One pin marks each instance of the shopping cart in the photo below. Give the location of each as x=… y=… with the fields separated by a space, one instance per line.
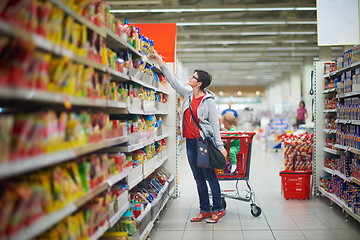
x=242 y=172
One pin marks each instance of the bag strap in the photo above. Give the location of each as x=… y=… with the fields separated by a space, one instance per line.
x=194 y=118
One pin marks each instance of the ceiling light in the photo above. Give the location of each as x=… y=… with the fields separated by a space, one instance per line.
x=180 y=10
x=239 y=93
x=221 y=93
x=244 y=23
x=257 y=93
x=226 y=42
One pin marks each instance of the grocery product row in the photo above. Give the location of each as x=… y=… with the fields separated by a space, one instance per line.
x=340 y=162
x=34 y=202
x=34 y=140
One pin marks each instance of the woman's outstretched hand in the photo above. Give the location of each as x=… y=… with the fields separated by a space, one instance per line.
x=157 y=58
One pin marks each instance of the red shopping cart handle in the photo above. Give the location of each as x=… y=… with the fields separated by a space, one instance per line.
x=231 y=134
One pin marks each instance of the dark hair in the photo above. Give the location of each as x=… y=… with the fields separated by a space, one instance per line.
x=302 y=102
x=203 y=77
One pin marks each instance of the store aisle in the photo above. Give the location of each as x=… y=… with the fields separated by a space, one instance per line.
x=280 y=219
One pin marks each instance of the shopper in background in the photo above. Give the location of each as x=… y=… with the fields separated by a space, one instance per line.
x=204 y=108
x=232 y=111
x=301 y=114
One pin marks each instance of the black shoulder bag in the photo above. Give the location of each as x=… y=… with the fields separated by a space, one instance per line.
x=208 y=155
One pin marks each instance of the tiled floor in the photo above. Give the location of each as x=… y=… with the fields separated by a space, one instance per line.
x=280 y=219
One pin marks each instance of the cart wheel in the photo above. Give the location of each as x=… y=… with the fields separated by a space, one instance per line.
x=255 y=211
x=223 y=203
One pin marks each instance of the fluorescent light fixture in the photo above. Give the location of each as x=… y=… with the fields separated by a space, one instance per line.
x=245 y=33
x=291 y=48
x=295 y=41
x=181 y=10
x=244 y=23
x=225 y=42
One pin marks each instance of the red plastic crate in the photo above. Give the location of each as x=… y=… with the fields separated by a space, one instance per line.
x=296 y=185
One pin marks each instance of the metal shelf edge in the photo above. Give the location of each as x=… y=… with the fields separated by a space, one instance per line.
x=119 y=214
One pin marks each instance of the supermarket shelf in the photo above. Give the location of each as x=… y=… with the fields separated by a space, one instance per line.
x=330 y=131
x=136 y=181
x=340 y=71
x=48 y=46
x=119 y=214
x=47 y=221
x=158 y=138
x=100 y=231
x=330 y=111
x=351 y=213
x=332 y=197
x=23 y=94
x=116 y=104
x=346 y=148
x=113 y=41
x=118 y=76
x=332 y=151
x=338 y=173
x=43 y=223
x=133 y=51
x=161 y=162
x=133 y=147
x=355 y=180
x=340 y=203
x=331 y=90
x=116 y=178
x=90 y=195
x=45 y=160
x=147 y=85
x=348 y=121
x=78 y=17
x=328 y=170
x=350 y=94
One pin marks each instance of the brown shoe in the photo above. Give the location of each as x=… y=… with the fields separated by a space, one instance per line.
x=201 y=216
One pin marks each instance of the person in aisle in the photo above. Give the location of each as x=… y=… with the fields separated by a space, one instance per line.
x=202 y=103
x=301 y=114
x=234 y=148
x=232 y=111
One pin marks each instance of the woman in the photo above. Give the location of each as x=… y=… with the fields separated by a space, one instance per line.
x=203 y=107
x=301 y=114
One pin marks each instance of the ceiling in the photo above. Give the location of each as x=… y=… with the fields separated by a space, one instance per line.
x=240 y=42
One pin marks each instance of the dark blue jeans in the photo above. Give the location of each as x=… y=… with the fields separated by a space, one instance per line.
x=201 y=175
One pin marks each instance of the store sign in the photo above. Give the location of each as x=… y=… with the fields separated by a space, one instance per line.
x=164 y=37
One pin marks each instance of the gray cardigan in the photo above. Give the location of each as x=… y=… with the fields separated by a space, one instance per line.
x=207 y=112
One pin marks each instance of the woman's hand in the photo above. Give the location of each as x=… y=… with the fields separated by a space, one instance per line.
x=157 y=58
x=224 y=152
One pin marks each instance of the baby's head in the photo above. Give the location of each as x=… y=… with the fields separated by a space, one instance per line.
x=229 y=120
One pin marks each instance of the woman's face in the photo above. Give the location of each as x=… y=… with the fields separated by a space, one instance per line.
x=193 y=80
x=302 y=105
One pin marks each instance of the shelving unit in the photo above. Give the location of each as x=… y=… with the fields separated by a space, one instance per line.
x=321 y=132
x=16 y=96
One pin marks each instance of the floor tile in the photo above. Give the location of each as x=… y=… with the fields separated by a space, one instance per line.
x=164 y=235
x=287 y=235
x=228 y=235
x=319 y=235
x=198 y=235
x=258 y=235
x=347 y=234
